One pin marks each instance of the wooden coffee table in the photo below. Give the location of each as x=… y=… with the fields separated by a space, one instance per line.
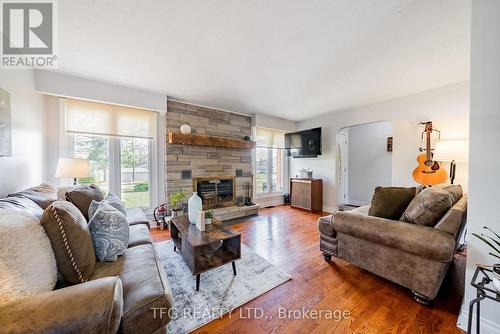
x=202 y=251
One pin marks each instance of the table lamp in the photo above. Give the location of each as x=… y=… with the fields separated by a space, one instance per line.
x=453 y=151
x=72 y=168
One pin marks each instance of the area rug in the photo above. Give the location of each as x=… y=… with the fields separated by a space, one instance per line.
x=220 y=291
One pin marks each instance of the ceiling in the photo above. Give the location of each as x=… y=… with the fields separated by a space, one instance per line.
x=290 y=59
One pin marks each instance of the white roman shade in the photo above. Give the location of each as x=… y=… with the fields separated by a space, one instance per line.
x=108 y=120
x=268 y=138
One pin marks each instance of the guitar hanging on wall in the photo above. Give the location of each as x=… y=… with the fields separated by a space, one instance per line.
x=428 y=171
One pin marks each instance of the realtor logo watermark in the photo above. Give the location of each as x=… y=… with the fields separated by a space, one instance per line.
x=28 y=34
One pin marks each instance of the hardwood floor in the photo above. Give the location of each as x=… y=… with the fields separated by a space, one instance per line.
x=288 y=238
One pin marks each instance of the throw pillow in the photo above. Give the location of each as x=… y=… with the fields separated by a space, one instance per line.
x=110 y=232
x=71 y=241
x=391 y=202
x=43 y=195
x=110 y=199
x=27 y=261
x=81 y=196
x=430 y=205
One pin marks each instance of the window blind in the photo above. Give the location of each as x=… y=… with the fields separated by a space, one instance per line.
x=267 y=138
x=108 y=120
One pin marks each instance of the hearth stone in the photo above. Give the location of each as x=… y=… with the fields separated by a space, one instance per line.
x=234 y=212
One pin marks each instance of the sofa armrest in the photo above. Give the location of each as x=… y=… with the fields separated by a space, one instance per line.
x=92 y=307
x=426 y=242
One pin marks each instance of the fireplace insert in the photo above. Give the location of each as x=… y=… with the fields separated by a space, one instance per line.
x=215 y=192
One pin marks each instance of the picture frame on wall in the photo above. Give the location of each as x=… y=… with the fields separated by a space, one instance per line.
x=5 y=124
x=389 y=144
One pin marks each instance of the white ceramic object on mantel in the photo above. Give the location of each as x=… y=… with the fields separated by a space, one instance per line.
x=194 y=205
x=185 y=129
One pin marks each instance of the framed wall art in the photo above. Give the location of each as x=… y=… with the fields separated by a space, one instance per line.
x=5 y=125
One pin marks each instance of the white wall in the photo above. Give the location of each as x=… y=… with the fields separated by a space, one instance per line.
x=65 y=85
x=484 y=150
x=264 y=121
x=447 y=107
x=370 y=164
x=25 y=167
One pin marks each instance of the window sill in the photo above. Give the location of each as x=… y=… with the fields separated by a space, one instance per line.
x=266 y=195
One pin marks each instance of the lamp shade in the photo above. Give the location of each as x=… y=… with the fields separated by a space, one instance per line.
x=74 y=168
x=449 y=150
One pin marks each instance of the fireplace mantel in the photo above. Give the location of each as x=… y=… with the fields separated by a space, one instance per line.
x=210 y=141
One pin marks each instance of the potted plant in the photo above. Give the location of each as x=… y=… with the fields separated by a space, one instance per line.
x=493 y=241
x=209 y=215
x=175 y=202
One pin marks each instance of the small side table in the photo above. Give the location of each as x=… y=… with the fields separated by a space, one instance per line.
x=480 y=281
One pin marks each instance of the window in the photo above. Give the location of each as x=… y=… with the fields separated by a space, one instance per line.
x=269 y=161
x=118 y=143
x=134 y=164
x=94 y=148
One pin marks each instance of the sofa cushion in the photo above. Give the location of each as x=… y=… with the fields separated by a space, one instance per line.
x=144 y=287
x=81 y=196
x=430 y=205
x=110 y=199
x=138 y=235
x=136 y=216
x=70 y=238
x=109 y=230
x=27 y=261
x=43 y=195
x=390 y=202
x=22 y=204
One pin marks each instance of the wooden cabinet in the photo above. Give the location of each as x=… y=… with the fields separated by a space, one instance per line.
x=306 y=194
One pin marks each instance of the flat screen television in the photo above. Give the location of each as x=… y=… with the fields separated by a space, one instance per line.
x=303 y=144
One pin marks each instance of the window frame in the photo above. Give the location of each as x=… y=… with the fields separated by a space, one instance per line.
x=66 y=149
x=270 y=169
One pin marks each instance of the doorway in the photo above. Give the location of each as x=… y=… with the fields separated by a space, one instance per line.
x=365 y=161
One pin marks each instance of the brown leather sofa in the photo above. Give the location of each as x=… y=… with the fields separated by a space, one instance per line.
x=122 y=296
x=414 y=256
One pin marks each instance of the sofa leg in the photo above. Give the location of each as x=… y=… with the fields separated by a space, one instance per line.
x=421 y=298
x=327 y=256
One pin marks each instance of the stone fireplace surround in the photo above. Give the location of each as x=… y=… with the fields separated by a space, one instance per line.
x=185 y=163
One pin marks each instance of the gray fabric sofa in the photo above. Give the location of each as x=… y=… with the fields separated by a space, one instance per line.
x=414 y=256
x=120 y=297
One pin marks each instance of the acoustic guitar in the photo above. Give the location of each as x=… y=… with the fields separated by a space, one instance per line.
x=428 y=171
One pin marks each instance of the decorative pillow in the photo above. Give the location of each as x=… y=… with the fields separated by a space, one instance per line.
x=391 y=202
x=70 y=238
x=431 y=204
x=455 y=191
x=110 y=232
x=81 y=196
x=110 y=199
x=27 y=261
x=43 y=195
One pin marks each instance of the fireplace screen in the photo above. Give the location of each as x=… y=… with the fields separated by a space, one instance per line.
x=215 y=192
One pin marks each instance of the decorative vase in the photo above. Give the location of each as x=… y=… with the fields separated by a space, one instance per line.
x=496 y=277
x=208 y=221
x=185 y=129
x=194 y=205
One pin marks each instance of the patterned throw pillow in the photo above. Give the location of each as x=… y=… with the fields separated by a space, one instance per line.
x=110 y=232
x=110 y=199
